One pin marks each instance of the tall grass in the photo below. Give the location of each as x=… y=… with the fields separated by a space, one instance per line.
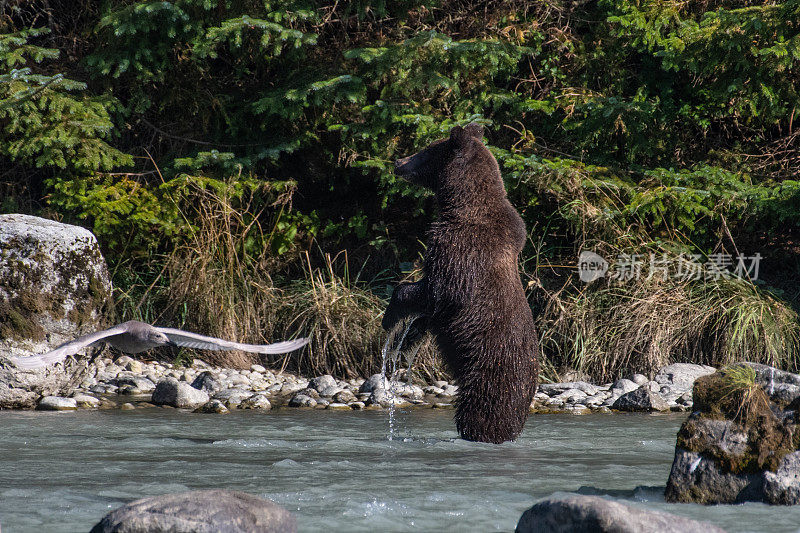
x=614 y=330
x=343 y=319
x=220 y=282
x=217 y=282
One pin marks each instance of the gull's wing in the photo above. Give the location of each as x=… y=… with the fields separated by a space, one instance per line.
x=66 y=349
x=194 y=340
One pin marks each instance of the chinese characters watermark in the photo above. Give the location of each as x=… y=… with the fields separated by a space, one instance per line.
x=685 y=267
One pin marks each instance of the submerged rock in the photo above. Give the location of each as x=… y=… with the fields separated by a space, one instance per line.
x=741 y=442
x=54 y=284
x=594 y=514
x=203 y=511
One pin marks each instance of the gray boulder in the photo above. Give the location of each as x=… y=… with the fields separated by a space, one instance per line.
x=642 y=399
x=344 y=396
x=233 y=397
x=386 y=398
x=740 y=442
x=678 y=378
x=54 y=286
x=783 y=485
x=575 y=513
x=207 y=382
x=374 y=382
x=137 y=384
x=782 y=387
x=57 y=403
x=623 y=386
x=302 y=400
x=291 y=388
x=256 y=401
x=85 y=401
x=170 y=391
x=326 y=385
x=205 y=511
x=557 y=388
x=698 y=479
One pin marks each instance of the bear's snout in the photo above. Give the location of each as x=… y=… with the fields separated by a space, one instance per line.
x=402 y=168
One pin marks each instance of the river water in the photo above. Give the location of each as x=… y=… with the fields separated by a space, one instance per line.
x=338 y=471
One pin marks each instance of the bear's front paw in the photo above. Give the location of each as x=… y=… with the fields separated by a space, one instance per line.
x=390 y=320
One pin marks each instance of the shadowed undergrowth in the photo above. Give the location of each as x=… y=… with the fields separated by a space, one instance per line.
x=216 y=285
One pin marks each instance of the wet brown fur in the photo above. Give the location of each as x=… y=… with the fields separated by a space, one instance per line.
x=471 y=297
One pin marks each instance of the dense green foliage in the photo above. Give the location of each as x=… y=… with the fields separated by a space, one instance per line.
x=619 y=125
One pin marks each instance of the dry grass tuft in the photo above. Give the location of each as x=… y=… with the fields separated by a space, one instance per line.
x=219 y=283
x=343 y=320
x=217 y=286
x=610 y=331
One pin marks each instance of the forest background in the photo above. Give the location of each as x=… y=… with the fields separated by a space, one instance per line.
x=234 y=158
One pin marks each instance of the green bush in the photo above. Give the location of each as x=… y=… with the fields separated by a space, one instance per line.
x=619 y=126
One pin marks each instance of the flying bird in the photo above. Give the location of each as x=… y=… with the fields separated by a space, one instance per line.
x=135 y=337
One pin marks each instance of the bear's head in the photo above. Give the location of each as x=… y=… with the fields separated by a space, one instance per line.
x=427 y=166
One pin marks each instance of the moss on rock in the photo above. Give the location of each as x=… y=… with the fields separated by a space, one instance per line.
x=16 y=325
x=754 y=437
x=49 y=272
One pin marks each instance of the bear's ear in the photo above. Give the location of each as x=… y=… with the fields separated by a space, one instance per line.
x=474 y=130
x=458 y=133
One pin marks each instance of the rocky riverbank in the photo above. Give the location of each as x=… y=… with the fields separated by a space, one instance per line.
x=128 y=383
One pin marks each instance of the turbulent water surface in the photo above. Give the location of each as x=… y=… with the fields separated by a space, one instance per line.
x=338 y=471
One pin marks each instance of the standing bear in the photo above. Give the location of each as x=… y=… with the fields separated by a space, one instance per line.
x=471 y=297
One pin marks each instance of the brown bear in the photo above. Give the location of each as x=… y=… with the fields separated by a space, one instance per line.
x=471 y=297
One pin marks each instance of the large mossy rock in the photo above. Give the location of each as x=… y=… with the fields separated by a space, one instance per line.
x=591 y=514
x=202 y=511
x=741 y=442
x=54 y=286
